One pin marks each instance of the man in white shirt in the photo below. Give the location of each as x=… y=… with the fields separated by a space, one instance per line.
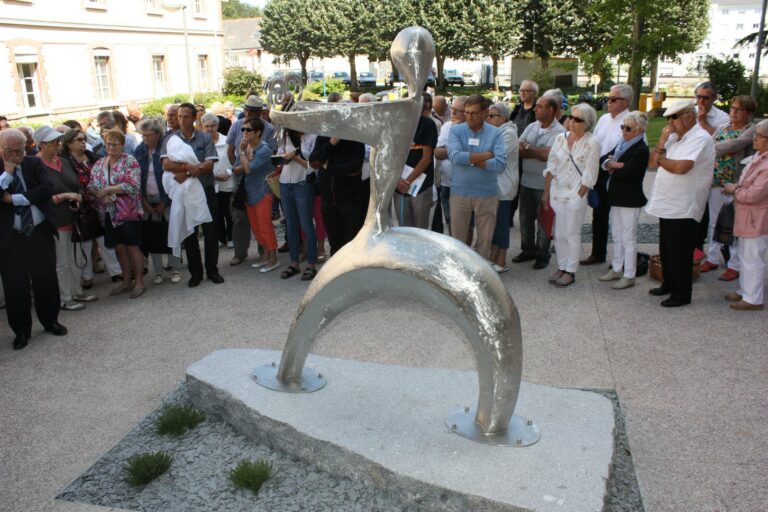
x=708 y=115
x=685 y=158
x=441 y=155
x=608 y=132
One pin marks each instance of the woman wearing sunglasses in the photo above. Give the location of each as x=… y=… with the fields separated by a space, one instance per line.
x=571 y=171
x=626 y=166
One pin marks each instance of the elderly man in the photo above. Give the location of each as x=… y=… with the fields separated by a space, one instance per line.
x=27 y=249
x=535 y=143
x=207 y=156
x=608 y=133
x=708 y=115
x=685 y=158
x=241 y=228
x=441 y=154
x=441 y=109
x=522 y=115
x=478 y=155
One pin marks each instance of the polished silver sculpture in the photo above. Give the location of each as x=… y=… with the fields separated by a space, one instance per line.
x=402 y=262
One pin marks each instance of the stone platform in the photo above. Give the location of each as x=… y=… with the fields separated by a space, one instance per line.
x=384 y=425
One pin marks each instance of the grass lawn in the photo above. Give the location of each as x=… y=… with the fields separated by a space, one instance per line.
x=653 y=132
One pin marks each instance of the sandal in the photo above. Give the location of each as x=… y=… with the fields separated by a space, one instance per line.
x=566 y=279
x=289 y=272
x=120 y=289
x=309 y=274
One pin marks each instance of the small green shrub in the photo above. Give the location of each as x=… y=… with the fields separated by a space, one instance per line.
x=251 y=474
x=175 y=420
x=142 y=468
x=331 y=85
x=239 y=81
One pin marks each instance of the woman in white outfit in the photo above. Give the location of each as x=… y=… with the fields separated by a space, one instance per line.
x=571 y=171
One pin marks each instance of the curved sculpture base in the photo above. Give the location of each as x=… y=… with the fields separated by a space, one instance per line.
x=521 y=432
x=266 y=376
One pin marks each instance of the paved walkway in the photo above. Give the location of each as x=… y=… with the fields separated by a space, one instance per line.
x=693 y=381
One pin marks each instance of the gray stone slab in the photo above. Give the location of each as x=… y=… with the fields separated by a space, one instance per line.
x=384 y=425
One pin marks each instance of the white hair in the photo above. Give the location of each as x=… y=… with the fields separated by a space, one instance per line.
x=533 y=85
x=502 y=109
x=639 y=118
x=626 y=92
x=588 y=113
x=12 y=134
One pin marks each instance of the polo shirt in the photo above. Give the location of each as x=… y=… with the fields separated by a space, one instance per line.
x=204 y=149
x=684 y=196
x=469 y=180
x=608 y=131
x=533 y=168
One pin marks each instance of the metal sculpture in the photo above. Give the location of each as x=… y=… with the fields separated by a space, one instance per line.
x=403 y=262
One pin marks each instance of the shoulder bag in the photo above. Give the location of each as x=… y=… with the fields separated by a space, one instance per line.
x=593 y=199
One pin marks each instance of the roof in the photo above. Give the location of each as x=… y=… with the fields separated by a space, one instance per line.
x=242 y=34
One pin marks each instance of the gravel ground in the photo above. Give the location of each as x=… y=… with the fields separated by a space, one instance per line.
x=646 y=234
x=198 y=478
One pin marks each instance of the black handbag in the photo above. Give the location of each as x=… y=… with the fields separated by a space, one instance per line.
x=154 y=236
x=724 y=226
x=87 y=225
x=238 y=198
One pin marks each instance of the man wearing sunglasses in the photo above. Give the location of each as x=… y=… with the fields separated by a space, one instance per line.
x=608 y=133
x=685 y=158
x=708 y=116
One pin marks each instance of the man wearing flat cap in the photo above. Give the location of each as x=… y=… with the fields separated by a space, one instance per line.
x=685 y=158
x=241 y=228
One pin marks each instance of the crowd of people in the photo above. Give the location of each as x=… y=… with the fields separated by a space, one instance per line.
x=128 y=189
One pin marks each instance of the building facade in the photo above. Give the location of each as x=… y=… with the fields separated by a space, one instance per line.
x=64 y=58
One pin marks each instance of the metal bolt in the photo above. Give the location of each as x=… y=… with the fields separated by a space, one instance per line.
x=519 y=441
x=466 y=409
x=453 y=427
x=273 y=364
x=530 y=422
x=319 y=375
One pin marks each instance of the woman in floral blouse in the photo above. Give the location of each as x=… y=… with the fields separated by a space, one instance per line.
x=116 y=184
x=732 y=144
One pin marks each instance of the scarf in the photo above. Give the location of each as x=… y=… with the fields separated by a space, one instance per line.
x=624 y=145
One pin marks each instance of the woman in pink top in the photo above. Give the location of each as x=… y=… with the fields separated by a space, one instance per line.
x=751 y=225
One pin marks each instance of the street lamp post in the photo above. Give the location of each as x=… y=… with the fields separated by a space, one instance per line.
x=175 y=5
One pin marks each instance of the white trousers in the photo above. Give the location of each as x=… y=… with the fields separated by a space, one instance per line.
x=716 y=201
x=624 y=232
x=107 y=255
x=66 y=271
x=569 y=216
x=752 y=275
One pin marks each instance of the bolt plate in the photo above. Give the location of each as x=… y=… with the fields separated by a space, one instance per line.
x=266 y=376
x=519 y=429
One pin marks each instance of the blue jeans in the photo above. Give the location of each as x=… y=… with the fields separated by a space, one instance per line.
x=298 y=200
x=501 y=232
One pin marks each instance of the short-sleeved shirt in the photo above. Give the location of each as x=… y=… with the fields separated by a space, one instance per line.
x=537 y=136
x=426 y=135
x=684 y=196
x=445 y=165
x=204 y=149
x=608 y=131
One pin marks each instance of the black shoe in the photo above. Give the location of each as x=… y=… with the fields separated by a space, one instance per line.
x=216 y=278
x=592 y=260
x=194 y=281
x=283 y=248
x=118 y=277
x=57 y=329
x=674 y=303
x=522 y=257
x=21 y=341
x=658 y=292
x=540 y=264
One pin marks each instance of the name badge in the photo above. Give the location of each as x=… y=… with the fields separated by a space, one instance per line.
x=474 y=142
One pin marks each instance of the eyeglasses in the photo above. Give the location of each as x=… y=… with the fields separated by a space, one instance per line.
x=210 y=126
x=527 y=90
x=616 y=98
x=628 y=128
x=459 y=111
x=247 y=129
x=702 y=97
x=739 y=109
x=760 y=135
x=113 y=144
x=494 y=115
x=576 y=119
x=471 y=113
x=17 y=152
x=677 y=116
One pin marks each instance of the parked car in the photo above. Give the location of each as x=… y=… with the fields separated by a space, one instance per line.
x=366 y=78
x=315 y=76
x=401 y=78
x=343 y=76
x=469 y=78
x=452 y=77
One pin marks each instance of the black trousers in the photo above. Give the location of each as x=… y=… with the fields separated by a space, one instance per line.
x=342 y=222
x=211 y=242
x=677 y=240
x=600 y=216
x=34 y=258
x=223 y=218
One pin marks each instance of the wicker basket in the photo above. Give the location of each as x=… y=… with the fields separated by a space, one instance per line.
x=655 y=268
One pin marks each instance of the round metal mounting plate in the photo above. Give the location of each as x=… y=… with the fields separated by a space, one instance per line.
x=266 y=376
x=521 y=431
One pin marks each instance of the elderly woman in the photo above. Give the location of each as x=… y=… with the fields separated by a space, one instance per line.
x=155 y=200
x=626 y=166
x=116 y=183
x=732 y=143
x=222 y=173
x=66 y=200
x=298 y=198
x=751 y=225
x=73 y=150
x=498 y=116
x=256 y=164
x=571 y=171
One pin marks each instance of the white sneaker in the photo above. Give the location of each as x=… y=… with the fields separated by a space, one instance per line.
x=158 y=279
x=624 y=282
x=72 y=306
x=230 y=245
x=610 y=275
x=175 y=277
x=269 y=268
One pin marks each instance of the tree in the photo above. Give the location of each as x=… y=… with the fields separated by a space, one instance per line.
x=549 y=27
x=350 y=28
x=500 y=32
x=294 y=29
x=238 y=81
x=234 y=9
x=729 y=76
